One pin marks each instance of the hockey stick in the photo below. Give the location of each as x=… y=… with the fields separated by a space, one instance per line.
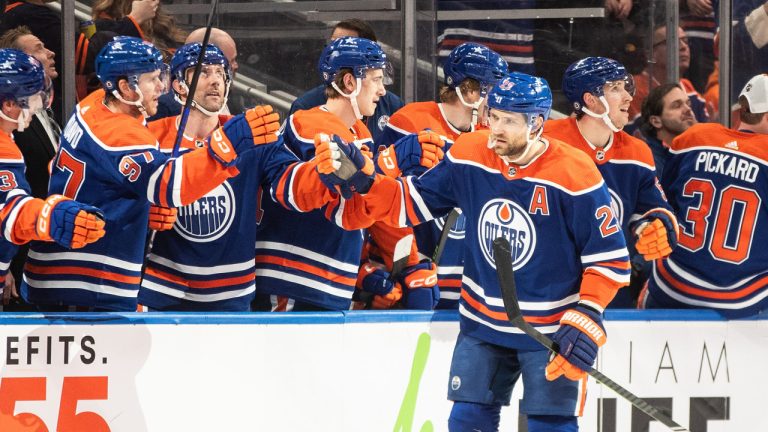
x=502 y=253
x=448 y=224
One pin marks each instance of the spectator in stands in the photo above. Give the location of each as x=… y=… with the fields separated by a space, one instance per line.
x=645 y=81
x=168 y=105
x=387 y=105
x=86 y=51
x=38 y=142
x=146 y=20
x=44 y=23
x=666 y=114
x=697 y=18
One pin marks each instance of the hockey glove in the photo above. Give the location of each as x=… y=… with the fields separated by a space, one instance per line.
x=411 y=155
x=242 y=133
x=374 y=280
x=388 y=301
x=161 y=218
x=420 y=283
x=69 y=223
x=656 y=234
x=580 y=335
x=343 y=167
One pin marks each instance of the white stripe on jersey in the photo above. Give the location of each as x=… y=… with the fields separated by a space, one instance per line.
x=152 y=184
x=717 y=304
x=605 y=256
x=632 y=162
x=203 y=271
x=306 y=282
x=84 y=125
x=441 y=270
x=418 y=200
x=4 y=266
x=10 y=221
x=610 y=274
x=178 y=173
x=75 y=284
x=398 y=130
x=296 y=134
x=450 y=295
x=82 y=256
x=720 y=149
x=338 y=217
x=531 y=306
x=306 y=253
x=200 y=298
x=11 y=161
x=504 y=329
x=684 y=275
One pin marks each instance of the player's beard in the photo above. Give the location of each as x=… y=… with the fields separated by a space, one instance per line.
x=513 y=147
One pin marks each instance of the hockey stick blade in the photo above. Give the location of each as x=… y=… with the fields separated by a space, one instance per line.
x=447 y=225
x=502 y=253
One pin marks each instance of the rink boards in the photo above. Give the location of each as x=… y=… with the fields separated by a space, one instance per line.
x=356 y=371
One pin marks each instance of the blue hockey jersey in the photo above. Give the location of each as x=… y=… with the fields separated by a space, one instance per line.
x=307 y=256
x=716 y=182
x=206 y=262
x=567 y=244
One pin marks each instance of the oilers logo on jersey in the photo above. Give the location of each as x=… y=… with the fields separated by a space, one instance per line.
x=504 y=218
x=208 y=218
x=457 y=230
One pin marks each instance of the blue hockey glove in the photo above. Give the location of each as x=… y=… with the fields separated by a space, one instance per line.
x=411 y=155
x=374 y=280
x=656 y=234
x=420 y=290
x=580 y=335
x=343 y=167
x=69 y=223
x=243 y=133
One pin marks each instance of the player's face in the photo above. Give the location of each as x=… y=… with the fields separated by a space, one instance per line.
x=152 y=86
x=508 y=132
x=211 y=86
x=33 y=46
x=372 y=89
x=677 y=115
x=618 y=99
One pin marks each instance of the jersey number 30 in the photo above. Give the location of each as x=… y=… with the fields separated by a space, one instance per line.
x=730 y=239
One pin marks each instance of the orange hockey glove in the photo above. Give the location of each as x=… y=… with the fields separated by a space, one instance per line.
x=242 y=133
x=411 y=155
x=161 y=218
x=656 y=233
x=343 y=167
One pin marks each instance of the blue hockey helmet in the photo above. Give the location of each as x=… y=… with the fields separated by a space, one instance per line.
x=21 y=76
x=357 y=54
x=186 y=57
x=127 y=57
x=476 y=61
x=589 y=75
x=521 y=93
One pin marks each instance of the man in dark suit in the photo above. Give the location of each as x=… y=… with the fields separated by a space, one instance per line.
x=38 y=144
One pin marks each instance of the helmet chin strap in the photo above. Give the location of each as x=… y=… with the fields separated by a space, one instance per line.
x=137 y=103
x=199 y=107
x=475 y=106
x=352 y=97
x=21 y=121
x=604 y=116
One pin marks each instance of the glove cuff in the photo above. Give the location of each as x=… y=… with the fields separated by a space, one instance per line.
x=221 y=149
x=43 y=226
x=582 y=320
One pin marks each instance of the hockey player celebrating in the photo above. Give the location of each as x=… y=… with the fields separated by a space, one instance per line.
x=110 y=159
x=548 y=199
x=600 y=90
x=304 y=261
x=23 y=218
x=470 y=71
x=206 y=261
x=715 y=180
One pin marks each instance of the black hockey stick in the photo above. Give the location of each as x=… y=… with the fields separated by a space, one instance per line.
x=448 y=224
x=503 y=256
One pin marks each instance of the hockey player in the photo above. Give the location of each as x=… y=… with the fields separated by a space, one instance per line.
x=22 y=217
x=470 y=71
x=109 y=158
x=600 y=90
x=715 y=180
x=304 y=261
x=549 y=200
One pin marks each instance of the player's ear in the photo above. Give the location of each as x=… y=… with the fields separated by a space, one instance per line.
x=655 y=121
x=349 y=83
x=8 y=106
x=178 y=88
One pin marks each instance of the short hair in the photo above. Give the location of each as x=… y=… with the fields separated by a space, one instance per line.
x=362 y=28
x=448 y=94
x=747 y=116
x=653 y=105
x=10 y=38
x=330 y=92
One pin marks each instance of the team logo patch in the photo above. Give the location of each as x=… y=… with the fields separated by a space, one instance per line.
x=504 y=218
x=208 y=218
x=457 y=230
x=506 y=84
x=455 y=383
x=382 y=123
